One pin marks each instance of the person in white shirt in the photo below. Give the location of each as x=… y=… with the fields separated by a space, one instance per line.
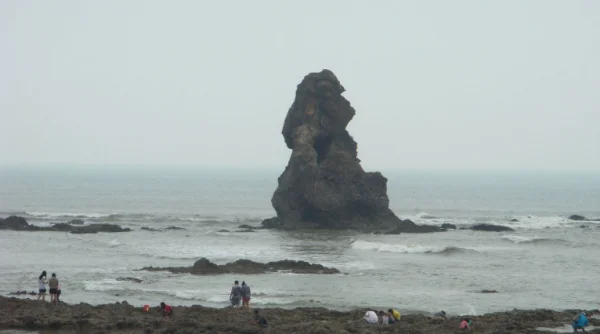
x=42 y=281
x=371 y=317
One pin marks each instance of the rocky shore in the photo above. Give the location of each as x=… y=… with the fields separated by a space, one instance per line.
x=124 y=318
x=76 y=226
x=205 y=267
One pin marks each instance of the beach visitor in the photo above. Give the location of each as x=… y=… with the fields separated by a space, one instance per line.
x=167 y=309
x=394 y=314
x=246 y=295
x=464 y=324
x=259 y=319
x=58 y=294
x=371 y=317
x=580 y=322
x=441 y=314
x=53 y=285
x=42 y=281
x=384 y=319
x=236 y=294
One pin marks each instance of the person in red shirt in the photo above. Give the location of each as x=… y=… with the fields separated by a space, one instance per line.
x=167 y=310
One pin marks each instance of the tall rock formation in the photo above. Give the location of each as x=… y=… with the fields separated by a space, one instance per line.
x=323 y=185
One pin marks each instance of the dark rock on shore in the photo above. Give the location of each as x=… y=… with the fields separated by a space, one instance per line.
x=449 y=226
x=323 y=184
x=16 y=223
x=205 y=267
x=130 y=279
x=75 y=222
x=491 y=228
x=20 y=293
x=125 y=318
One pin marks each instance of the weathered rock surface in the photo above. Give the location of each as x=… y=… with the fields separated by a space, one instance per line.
x=125 y=318
x=16 y=223
x=205 y=267
x=491 y=228
x=19 y=293
x=324 y=185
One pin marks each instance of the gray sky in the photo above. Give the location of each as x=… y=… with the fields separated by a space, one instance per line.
x=436 y=84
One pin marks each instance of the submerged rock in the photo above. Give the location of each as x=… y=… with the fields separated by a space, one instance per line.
x=130 y=279
x=488 y=291
x=514 y=220
x=324 y=185
x=205 y=267
x=16 y=223
x=174 y=228
x=491 y=228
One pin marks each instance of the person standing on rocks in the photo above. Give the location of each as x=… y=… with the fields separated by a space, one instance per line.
x=53 y=285
x=236 y=294
x=42 y=281
x=246 y=295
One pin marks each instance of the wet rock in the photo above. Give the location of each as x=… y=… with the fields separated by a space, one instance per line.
x=223 y=231
x=150 y=229
x=248 y=227
x=491 y=228
x=449 y=226
x=488 y=291
x=20 y=293
x=75 y=222
x=577 y=217
x=174 y=228
x=324 y=185
x=130 y=279
x=27 y=314
x=20 y=224
x=205 y=267
x=514 y=220
x=95 y=228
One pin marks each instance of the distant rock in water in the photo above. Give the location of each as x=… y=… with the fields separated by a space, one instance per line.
x=324 y=185
x=16 y=223
x=488 y=291
x=130 y=279
x=150 y=229
x=174 y=228
x=20 y=293
x=449 y=226
x=205 y=267
x=75 y=222
x=491 y=228
x=514 y=220
x=577 y=217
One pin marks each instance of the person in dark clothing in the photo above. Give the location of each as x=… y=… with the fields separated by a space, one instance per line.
x=245 y=295
x=236 y=294
x=259 y=319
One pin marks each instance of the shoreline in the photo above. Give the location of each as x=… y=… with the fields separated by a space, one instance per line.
x=121 y=317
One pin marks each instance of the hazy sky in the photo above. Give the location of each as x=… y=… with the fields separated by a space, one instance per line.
x=436 y=84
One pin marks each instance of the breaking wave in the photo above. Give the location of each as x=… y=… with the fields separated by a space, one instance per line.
x=517 y=239
x=399 y=248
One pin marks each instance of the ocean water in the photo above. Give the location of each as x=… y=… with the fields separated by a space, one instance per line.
x=548 y=262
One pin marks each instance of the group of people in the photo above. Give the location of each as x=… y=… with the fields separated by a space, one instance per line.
x=53 y=287
x=384 y=318
x=240 y=294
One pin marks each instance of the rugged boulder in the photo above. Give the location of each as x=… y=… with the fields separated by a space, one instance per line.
x=449 y=226
x=491 y=228
x=205 y=267
x=20 y=224
x=324 y=185
x=577 y=217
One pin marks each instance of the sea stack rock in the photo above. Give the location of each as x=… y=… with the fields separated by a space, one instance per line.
x=323 y=185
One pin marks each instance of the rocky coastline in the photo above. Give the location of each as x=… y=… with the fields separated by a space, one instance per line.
x=16 y=223
x=205 y=267
x=31 y=315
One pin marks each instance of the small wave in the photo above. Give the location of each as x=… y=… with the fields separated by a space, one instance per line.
x=517 y=239
x=425 y=215
x=399 y=248
x=65 y=215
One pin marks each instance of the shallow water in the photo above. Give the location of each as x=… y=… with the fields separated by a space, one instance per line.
x=543 y=264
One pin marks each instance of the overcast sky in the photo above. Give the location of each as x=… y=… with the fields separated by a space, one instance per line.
x=436 y=84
